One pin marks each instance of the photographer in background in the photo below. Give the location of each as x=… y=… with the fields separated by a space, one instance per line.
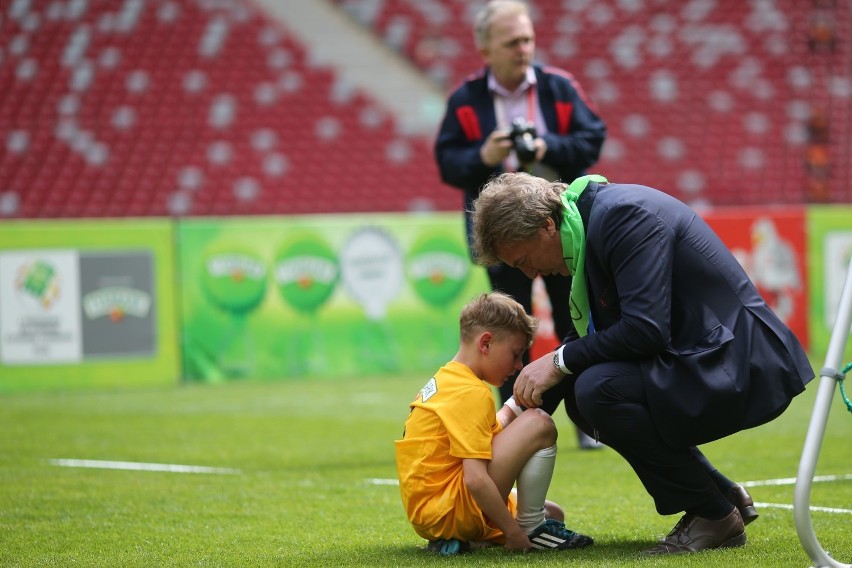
x=514 y=115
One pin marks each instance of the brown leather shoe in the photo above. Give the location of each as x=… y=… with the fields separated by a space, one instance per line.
x=693 y=533
x=739 y=498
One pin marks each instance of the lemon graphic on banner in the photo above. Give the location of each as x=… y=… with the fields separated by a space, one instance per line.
x=234 y=280
x=306 y=272
x=438 y=268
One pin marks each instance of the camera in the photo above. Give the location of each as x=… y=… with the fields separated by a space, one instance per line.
x=523 y=138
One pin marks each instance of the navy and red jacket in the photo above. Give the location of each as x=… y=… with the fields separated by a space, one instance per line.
x=574 y=139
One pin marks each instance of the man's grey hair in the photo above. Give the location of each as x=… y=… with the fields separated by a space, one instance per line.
x=510 y=209
x=491 y=11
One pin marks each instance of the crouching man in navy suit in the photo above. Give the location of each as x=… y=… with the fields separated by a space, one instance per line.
x=672 y=345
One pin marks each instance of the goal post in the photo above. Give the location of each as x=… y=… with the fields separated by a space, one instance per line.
x=829 y=375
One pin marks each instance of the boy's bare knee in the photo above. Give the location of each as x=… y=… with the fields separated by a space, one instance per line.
x=544 y=424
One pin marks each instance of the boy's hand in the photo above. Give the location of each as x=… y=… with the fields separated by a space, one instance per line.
x=518 y=541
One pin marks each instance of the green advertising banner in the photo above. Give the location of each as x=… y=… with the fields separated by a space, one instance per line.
x=87 y=304
x=829 y=253
x=322 y=295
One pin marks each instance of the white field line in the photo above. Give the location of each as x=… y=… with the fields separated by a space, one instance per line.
x=139 y=466
x=812 y=508
x=764 y=482
x=376 y=481
x=792 y=480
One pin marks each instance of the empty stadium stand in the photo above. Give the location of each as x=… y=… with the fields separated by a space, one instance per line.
x=211 y=107
x=180 y=108
x=707 y=99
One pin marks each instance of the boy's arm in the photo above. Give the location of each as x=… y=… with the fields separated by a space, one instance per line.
x=485 y=492
x=509 y=412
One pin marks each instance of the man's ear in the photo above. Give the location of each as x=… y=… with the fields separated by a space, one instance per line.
x=550 y=226
x=484 y=342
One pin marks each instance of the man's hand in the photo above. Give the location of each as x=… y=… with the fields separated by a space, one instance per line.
x=540 y=149
x=496 y=148
x=535 y=379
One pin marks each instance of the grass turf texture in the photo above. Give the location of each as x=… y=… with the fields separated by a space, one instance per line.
x=306 y=452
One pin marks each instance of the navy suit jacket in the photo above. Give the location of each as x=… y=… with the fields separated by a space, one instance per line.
x=664 y=291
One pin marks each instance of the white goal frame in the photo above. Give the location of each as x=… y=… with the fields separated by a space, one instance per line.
x=829 y=376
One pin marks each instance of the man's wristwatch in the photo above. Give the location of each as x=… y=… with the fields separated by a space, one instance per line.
x=559 y=362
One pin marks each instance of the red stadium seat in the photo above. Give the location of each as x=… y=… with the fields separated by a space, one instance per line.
x=103 y=113
x=715 y=85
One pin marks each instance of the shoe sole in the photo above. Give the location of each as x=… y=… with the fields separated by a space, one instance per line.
x=738 y=540
x=545 y=541
x=734 y=542
x=448 y=547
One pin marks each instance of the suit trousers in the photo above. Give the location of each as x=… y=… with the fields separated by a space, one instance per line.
x=609 y=400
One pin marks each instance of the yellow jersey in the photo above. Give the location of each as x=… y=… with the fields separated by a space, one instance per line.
x=452 y=418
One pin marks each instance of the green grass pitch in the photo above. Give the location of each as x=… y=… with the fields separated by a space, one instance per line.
x=308 y=490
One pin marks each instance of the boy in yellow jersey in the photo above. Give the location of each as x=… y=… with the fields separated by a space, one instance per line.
x=459 y=458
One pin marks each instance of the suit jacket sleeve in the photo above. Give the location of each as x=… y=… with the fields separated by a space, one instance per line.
x=457 y=145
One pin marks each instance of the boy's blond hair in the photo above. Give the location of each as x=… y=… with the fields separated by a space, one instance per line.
x=498 y=313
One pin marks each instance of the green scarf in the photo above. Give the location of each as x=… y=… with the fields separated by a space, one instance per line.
x=573 y=238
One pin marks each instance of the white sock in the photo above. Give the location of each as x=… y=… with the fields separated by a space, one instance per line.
x=533 y=483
